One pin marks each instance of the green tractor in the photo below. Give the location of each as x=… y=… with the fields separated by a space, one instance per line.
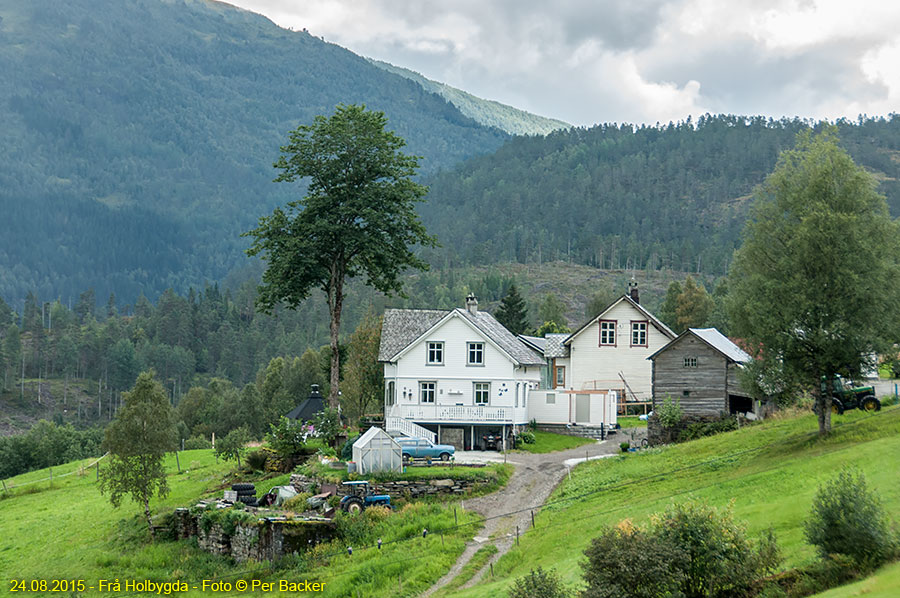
x=846 y=396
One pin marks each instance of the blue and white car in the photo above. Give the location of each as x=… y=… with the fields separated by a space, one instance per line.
x=422 y=448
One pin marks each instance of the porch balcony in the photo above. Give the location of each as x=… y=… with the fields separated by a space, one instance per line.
x=458 y=414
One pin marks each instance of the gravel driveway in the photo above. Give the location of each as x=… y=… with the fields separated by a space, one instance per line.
x=530 y=485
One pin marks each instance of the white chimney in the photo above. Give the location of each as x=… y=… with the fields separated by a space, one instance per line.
x=472 y=304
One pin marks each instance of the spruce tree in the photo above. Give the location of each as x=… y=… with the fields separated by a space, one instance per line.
x=513 y=313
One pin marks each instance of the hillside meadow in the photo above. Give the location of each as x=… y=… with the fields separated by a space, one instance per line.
x=768 y=473
x=70 y=531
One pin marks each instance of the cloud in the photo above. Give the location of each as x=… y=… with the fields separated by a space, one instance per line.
x=589 y=61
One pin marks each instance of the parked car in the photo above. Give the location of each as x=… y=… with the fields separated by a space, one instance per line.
x=422 y=448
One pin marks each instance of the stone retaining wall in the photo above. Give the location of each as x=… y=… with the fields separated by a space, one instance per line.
x=264 y=540
x=400 y=488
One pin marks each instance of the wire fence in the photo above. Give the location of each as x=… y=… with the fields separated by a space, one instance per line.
x=8 y=485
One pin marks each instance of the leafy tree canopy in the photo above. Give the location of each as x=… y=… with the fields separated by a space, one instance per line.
x=357 y=218
x=817 y=280
x=137 y=440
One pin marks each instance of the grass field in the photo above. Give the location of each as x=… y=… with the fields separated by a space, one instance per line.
x=769 y=472
x=70 y=531
x=548 y=442
x=884 y=583
x=631 y=421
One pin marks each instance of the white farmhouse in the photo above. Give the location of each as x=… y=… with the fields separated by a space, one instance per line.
x=602 y=363
x=455 y=376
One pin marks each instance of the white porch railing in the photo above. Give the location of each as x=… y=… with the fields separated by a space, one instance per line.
x=463 y=414
x=408 y=428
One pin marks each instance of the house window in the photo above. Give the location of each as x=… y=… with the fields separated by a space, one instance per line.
x=608 y=333
x=639 y=334
x=560 y=375
x=476 y=353
x=427 y=392
x=551 y=398
x=435 y=353
x=389 y=394
x=690 y=362
x=482 y=393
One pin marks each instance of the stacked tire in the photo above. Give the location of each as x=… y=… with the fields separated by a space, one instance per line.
x=246 y=493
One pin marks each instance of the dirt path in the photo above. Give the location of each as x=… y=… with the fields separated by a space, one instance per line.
x=530 y=485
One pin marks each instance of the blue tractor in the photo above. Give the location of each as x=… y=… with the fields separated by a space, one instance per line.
x=361 y=497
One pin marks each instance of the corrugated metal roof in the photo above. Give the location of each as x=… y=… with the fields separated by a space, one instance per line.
x=720 y=342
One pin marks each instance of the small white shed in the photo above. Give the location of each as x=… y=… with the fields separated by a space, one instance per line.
x=377 y=451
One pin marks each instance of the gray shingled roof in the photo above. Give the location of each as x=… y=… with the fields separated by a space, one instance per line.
x=720 y=342
x=507 y=341
x=402 y=327
x=556 y=346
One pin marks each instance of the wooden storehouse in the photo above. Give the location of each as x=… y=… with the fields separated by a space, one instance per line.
x=700 y=368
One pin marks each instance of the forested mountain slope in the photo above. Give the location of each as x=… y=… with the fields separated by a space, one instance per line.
x=137 y=137
x=487 y=112
x=613 y=196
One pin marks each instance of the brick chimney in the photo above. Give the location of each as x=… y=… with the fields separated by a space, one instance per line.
x=633 y=290
x=472 y=304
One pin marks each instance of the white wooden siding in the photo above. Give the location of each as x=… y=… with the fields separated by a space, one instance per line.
x=455 y=379
x=590 y=362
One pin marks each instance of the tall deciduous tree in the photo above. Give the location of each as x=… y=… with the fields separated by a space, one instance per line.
x=137 y=440
x=694 y=306
x=552 y=309
x=357 y=218
x=513 y=313
x=817 y=280
x=363 y=374
x=670 y=305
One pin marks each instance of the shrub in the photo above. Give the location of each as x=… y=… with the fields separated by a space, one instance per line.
x=232 y=446
x=287 y=437
x=888 y=400
x=539 y=584
x=721 y=560
x=256 y=460
x=670 y=413
x=347 y=449
x=297 y=503
x=847 y=519
x=629 y=563
x=624 y=446
x=697 y=430
x=197 y=442
x=689 y=551
x=527 y=437
x=532 y=425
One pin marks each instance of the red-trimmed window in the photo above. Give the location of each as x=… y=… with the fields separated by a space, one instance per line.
x=607 y=333
x=639 y=333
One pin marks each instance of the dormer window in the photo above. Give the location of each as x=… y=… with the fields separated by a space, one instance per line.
x=435 y=353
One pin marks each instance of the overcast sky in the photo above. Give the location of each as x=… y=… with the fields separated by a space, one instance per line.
x=590 y=61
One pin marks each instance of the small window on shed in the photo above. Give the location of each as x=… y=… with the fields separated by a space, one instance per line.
x=690 y=362
x=685 y=393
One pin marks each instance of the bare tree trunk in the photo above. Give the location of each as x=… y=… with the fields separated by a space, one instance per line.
x=335 y=304
x=823 y=408
x=147 y=515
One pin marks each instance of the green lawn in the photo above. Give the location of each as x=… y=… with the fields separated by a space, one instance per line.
x=631 y=421
x=884 y=583
x=769 y=472
x=72 y=532
x=548 y=442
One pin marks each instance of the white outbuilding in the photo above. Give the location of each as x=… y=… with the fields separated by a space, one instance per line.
x=377 y=451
